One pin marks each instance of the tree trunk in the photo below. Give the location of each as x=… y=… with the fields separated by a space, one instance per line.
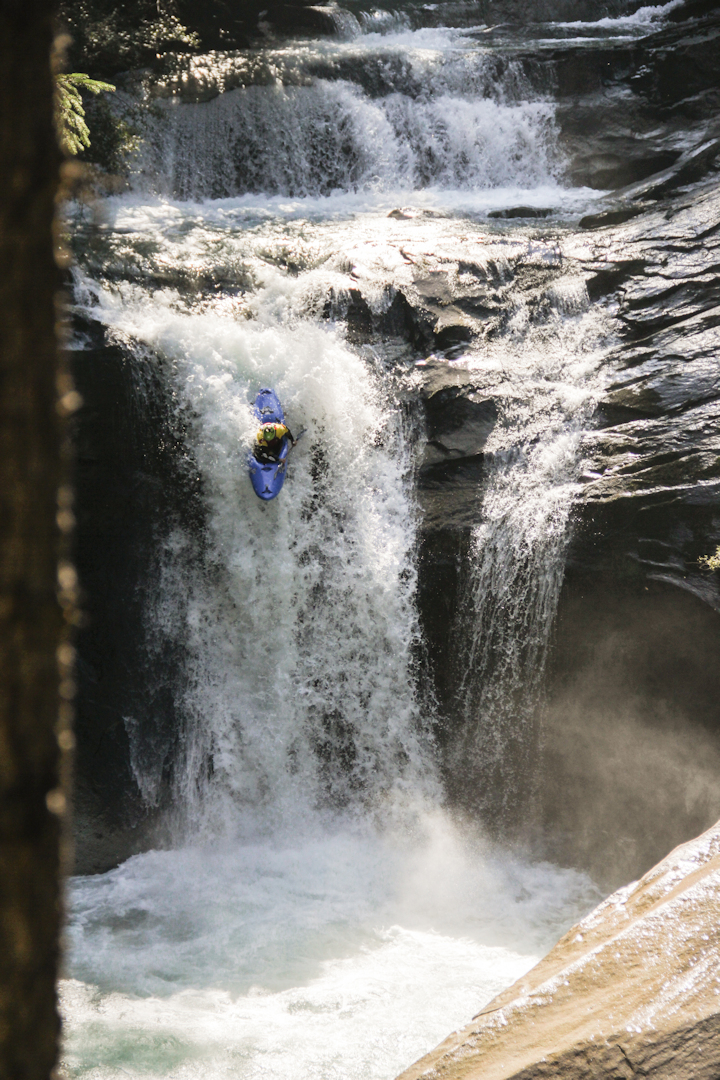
x=31 y=803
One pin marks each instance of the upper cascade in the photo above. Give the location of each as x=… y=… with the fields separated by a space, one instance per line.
x=425 y=97
x=398 y=111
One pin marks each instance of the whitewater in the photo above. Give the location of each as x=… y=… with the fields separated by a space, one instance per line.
x=316 y=906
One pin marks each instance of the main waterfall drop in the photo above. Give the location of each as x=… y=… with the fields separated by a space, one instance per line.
x=321 y=883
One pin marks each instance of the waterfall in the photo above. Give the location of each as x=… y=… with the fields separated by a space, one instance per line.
x=319 y=907
x=315 y=140
x=300 y=624
x=388 y=112
x=517 y=550
x=303 y=646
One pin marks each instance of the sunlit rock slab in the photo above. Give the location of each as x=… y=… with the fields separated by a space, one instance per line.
x=632 y=990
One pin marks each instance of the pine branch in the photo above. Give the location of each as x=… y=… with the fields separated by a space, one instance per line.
x=73 y=132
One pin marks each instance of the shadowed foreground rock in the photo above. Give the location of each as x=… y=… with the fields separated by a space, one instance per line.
x=632 y=990
x=30 y=618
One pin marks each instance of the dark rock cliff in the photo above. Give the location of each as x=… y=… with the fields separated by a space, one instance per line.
x=135 y=492
x=631 y=722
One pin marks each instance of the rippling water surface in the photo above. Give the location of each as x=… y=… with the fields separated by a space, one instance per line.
x=346 y=953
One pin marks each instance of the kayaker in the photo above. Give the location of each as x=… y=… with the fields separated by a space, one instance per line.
x=268 y=441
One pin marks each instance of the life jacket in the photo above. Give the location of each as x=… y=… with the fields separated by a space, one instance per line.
x=280 y=431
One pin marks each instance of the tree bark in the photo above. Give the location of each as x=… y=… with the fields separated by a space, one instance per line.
x=31 y=803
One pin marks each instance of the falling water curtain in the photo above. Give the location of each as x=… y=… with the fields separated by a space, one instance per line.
x=31 y=620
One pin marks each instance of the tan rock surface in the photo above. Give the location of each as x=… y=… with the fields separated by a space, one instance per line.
x=632 y=990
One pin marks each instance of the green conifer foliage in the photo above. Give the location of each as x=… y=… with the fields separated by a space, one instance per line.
x=73 y=132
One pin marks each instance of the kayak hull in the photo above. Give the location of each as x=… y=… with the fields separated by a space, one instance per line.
x=267 y=407
x=268 y=477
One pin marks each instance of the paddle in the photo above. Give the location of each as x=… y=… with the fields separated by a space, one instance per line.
x=293 y=444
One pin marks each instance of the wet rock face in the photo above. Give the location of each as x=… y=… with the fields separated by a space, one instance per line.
x=459 y=417
x=457 y=425
x=632 y=729
x=655 y=448
x=629 y=991
x=638 y=633
x=626 y=113
x=136 y=501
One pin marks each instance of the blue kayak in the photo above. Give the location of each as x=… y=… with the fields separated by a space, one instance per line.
x=269 y=476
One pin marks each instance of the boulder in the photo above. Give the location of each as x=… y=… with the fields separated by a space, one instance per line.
x=632 y=990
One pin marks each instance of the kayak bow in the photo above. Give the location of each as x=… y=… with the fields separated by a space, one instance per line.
x=268 y=477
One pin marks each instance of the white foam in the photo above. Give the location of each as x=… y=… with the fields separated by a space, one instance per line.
x=139 y=212
x=331 y=136
x=334 y=954
x=643 y=17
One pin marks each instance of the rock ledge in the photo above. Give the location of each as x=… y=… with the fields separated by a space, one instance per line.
x=632 y=990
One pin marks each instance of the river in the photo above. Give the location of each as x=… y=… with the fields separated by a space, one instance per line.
x=318 y=906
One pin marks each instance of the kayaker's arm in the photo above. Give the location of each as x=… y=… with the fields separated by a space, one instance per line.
x=288 y=435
